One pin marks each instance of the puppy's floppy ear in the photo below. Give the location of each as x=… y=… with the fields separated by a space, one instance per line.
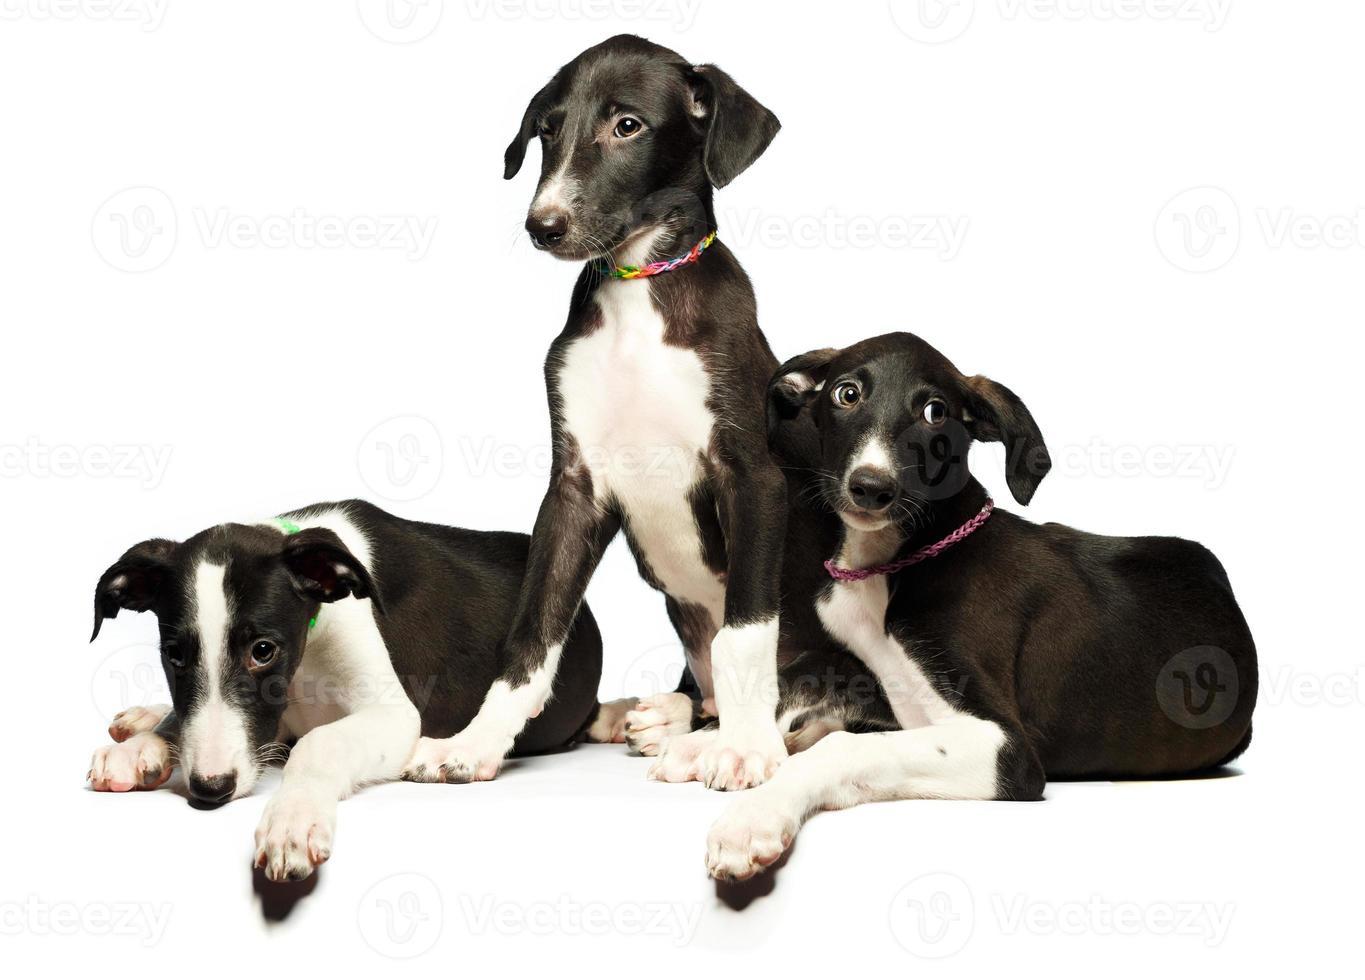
x=134 y=581
x=323 y=569
x=997 y=415
x=738 y=127
x=516 y=150
x=795 y=384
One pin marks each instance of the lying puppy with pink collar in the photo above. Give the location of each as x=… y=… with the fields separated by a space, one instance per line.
x=349 y=632
x=1010 y=653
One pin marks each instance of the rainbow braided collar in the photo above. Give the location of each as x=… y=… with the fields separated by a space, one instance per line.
x=655 y=268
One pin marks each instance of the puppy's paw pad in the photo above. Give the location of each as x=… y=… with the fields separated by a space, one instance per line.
x=294 y=836
x=142 y=761
x=748 y=838
x=135 y=721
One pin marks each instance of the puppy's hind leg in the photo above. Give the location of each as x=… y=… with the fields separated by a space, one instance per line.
x=609 y=724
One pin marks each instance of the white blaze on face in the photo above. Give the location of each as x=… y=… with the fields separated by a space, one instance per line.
x=214 y=739
x=875 y=454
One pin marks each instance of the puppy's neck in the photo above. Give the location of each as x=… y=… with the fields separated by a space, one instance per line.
x=861 y=549
x=943 y=517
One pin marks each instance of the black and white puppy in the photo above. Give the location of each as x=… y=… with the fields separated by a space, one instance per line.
x=1016 y=653
x=259 y=651
x=656 y=389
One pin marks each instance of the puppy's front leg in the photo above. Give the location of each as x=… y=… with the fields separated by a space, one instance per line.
x=571 y=533
x=328 y=764
x=744 y=653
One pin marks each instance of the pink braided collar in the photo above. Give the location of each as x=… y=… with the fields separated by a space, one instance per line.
x=929 y=551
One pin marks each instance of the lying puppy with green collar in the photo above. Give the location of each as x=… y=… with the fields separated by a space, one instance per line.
x=339 y=628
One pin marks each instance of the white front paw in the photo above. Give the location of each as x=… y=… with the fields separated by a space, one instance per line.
x=739 y=760
x=295 y=833
x=657 y=719
x=134 y=721
x=463 y=758
x=680 y=761
x=142 y=761
x=750 y=836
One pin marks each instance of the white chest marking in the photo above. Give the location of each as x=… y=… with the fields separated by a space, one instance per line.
x=855 y=614
x=636 y=407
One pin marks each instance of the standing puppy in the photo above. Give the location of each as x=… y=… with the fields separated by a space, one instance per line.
x=656 y=389
x=340 y=626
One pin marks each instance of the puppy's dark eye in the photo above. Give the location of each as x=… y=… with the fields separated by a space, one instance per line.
x=847 y=394
x=935 y=412
x=546 y=131
x=263 y=654
x=627 y=127
x=173 y=655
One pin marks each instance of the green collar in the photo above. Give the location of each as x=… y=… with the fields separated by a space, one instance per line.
x=289 y=527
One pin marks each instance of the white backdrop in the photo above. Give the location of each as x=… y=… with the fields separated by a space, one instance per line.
x=257 y=255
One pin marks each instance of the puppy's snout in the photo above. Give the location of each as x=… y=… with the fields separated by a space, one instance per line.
x=872 y=488
x=547 y=228
x=213 y=789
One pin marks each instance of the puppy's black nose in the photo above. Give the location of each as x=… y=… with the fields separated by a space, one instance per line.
x=213 y=789
x=871 y=488
x=547 y=230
